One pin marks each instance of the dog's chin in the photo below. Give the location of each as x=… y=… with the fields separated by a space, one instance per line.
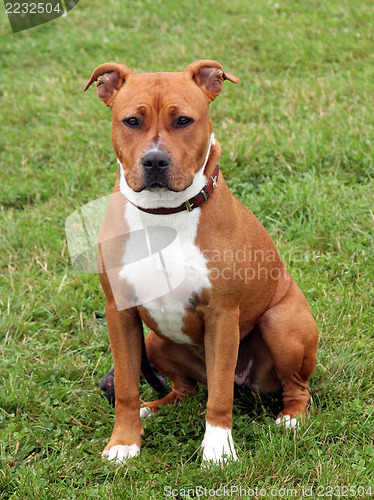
x=158 y=187
x=155 y=187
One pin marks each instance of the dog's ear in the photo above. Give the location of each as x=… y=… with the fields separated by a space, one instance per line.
x=110 y=78
x=209 y=76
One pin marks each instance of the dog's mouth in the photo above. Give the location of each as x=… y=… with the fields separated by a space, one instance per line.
x=159 y=184
x=156 y=186
x=159 y=187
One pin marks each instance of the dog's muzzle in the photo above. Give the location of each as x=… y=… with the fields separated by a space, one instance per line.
x=156 y=166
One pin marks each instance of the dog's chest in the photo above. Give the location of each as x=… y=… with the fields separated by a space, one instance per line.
x=173 y=271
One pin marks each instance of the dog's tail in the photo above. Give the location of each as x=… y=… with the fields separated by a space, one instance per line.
x=149 y=372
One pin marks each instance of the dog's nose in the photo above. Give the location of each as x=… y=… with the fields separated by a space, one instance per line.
x=156 y=160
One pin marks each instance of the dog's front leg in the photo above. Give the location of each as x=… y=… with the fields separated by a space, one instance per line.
x=125 y=331
x=221 y=352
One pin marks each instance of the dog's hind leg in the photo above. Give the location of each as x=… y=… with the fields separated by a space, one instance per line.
x=290 y=333
x=182 y=363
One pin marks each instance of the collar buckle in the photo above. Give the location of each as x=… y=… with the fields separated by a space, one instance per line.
x=188 y=205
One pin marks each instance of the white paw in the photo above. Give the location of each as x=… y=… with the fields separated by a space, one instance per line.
x=218 y=446
x=145 y=412
x=121 y=453
x=288 y=422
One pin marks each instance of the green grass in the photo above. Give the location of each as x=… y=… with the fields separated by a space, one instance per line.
x=298 y=150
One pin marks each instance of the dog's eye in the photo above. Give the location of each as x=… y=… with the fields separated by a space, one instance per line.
x=183 y=121
x=132 y=122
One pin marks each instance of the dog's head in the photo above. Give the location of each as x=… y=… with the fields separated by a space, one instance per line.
x=161 y=131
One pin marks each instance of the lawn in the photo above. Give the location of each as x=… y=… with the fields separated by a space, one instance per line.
x=297 y=136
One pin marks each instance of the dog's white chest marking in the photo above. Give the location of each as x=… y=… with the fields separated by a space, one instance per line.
x=180 y=269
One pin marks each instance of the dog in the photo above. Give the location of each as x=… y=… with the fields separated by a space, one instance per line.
x=231 y=312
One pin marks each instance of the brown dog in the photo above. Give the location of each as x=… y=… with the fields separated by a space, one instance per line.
x=180 y=253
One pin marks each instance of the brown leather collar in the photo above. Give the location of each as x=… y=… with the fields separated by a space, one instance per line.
x=190 y=204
